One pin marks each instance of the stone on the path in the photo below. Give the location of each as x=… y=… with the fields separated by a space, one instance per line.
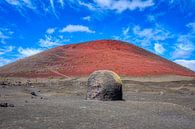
x=6 y=105
x=33 y=93
x=104 y=85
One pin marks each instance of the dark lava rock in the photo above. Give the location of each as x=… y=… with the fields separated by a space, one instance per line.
x=6 y=105
x=104 y=85
x=185 y=91
x=33 y=93
x=3 y=83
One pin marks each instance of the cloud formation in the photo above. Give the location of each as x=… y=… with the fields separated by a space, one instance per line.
x=126 y=31
x=49 y=41
x=50 y=30
x=191 y=25
x=147 y=36
x=25 y=52
x=21 y=3
x=186 y=63
x=77 y=28
x=122 y=5
x=5 y=34
x=87 y=5
x=185 y=46
x=183 y=50
x=159 y=48
x=6 y=50
x=61 y=2
x=87 y=18
x=56 y=6
x=4 y=61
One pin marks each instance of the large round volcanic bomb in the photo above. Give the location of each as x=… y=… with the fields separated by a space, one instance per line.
x=104 y=85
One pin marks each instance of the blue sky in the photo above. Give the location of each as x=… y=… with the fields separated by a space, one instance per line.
x=164 y=27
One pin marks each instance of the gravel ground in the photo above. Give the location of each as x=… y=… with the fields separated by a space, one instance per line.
x=146 y=105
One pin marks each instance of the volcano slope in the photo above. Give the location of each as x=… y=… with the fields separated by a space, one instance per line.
x=84 y=58
x=158 y=94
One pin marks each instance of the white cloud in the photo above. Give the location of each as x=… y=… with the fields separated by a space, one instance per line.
x=5 y=34
x=87 y=18
x=22 y=52
x=159 y=48
x=122 y=5
x=51 y=41
x=4 y=61
x=126 y=31
x=52 y=38
x=125 y=35
x=146 y=36
x=179 y=53
x=117 y=5
x=157 y=33
x=181 y=5
x=50 y=30
x=184 y=47
x=187 y=63
x=25 y=52
x=151 y=18
x=88 y=5
x=53 y=7
x=191 y=25
x=6 y=50
x=61 y=2
x=116 y=37
x=21 y=3
x=13 y=2
x=154 y=16
x=77 y=28
x=37 y=6
x=28 y=3
x=100 y=6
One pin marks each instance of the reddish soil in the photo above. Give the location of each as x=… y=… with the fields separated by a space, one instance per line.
x=84 y=58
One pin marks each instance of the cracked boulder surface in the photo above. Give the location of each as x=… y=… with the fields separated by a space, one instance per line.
x=104 y=85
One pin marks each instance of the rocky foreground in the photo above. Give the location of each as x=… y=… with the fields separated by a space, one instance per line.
x=60 y=103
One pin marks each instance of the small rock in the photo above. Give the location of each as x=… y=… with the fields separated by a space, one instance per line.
x=3 y=83
x=3 y=104
x=33 y=93
x=6 y=105
x=161 y=93
x=10 y=105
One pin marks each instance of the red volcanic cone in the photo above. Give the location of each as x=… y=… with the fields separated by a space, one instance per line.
x=84 y=58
